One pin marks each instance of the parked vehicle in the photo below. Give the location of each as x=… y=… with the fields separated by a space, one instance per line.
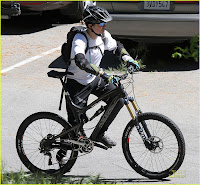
x=166 y=21
x=73 y=9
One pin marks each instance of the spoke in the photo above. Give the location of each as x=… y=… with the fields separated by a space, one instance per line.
x=157 y=127
x=27 y=134
x=152 y=162
x=143 y=160
x=32 y=139
x=166 y=134
x=36 y=128
x=163 y=132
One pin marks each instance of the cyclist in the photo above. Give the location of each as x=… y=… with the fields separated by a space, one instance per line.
x=85 y=76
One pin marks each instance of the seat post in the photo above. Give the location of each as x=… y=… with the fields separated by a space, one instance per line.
x=62 y=92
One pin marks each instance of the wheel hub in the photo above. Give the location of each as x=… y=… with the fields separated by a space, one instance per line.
x=46 y=143
x=156 y=144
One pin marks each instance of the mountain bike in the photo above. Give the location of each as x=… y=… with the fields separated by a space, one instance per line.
x=152 y=144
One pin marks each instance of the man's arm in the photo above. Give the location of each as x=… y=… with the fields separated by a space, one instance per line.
x=85 y=65
x=125 y=56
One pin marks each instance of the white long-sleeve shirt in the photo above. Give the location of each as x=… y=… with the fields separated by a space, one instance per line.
x=94 y=55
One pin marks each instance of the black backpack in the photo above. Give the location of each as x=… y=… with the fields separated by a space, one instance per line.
x=67 y=46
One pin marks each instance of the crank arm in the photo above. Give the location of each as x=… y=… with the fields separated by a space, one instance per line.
x=74 y=142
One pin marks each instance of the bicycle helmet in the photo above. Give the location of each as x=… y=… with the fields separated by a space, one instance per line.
x=96 y=14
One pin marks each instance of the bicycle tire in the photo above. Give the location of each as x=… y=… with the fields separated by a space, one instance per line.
x=148 y=162
x=30 y=133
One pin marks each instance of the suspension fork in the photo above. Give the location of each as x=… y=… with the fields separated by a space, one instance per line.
x=135 y=117
x=136 y=108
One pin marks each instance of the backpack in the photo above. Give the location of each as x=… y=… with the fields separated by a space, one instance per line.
x=67 y=46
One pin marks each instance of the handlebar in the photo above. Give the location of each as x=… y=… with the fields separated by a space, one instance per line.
x=130 y=70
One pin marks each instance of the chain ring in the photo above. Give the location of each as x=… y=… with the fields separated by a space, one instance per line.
x=88 y=145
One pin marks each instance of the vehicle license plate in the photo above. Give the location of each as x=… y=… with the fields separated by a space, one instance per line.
x=156 y=5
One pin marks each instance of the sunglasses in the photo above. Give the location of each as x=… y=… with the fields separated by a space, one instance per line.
x=101 y=24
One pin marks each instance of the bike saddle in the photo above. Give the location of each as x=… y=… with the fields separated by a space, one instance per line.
x=56 y=74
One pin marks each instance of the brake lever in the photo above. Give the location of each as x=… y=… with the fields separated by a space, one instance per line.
x=131 y=69
x=122 y=77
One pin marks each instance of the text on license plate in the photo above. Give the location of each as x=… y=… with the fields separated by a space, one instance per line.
x=156 y=5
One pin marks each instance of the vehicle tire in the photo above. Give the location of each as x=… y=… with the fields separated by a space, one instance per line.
x=165 y=158
x=29 y=137
x=81 y=5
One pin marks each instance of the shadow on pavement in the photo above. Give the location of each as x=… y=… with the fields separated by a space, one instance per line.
x=119 y=180
x=31 y=24
x=136 y=180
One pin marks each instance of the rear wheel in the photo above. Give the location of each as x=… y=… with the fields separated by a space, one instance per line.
x=167 y=147
x=37 y=149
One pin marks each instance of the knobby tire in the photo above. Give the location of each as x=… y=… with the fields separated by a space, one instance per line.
x=166 y=158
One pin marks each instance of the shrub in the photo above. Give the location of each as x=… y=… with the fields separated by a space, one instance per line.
x=190 y=51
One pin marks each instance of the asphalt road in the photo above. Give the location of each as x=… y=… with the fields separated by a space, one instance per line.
x=26 y=89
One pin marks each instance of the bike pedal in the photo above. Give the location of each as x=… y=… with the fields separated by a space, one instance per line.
x=100 y=146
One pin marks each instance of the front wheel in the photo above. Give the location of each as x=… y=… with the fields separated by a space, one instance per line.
x=167 y=150
x=36 y=149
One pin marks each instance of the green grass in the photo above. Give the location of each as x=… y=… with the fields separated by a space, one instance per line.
x=122 y=67
x=30 y=178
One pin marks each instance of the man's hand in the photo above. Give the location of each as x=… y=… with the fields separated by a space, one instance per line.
x=108 y=78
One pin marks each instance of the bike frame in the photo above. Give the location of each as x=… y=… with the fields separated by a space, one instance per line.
x=118 y=93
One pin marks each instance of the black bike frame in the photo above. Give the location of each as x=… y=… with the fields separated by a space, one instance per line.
x=118 y=93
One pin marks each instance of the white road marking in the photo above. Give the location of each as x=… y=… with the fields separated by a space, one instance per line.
x=30 y=60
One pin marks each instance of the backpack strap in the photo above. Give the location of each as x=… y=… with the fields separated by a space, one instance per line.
x=103 y=38
x=87 y=47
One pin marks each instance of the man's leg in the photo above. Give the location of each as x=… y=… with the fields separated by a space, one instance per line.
x=102 y=88
x=79 y=95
